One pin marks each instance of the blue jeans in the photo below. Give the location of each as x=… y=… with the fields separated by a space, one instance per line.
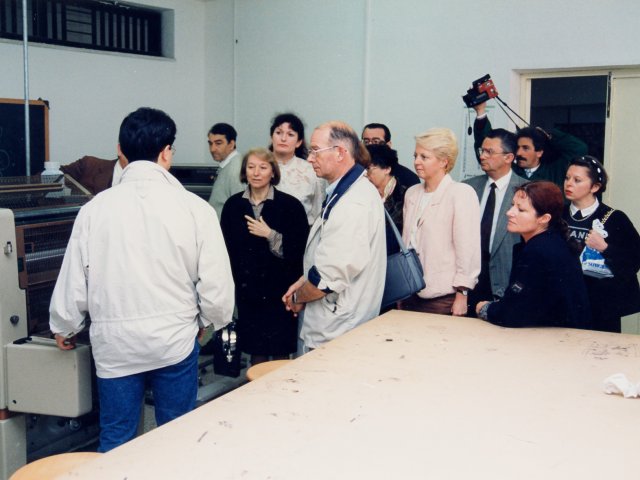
x=174 y=393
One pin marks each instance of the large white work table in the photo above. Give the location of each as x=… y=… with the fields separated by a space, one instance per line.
x=411 y=395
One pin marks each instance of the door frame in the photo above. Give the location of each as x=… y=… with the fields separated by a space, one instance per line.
x=630 y=323
x=613 y=72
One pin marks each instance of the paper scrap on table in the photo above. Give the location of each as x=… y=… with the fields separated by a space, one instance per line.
x=619 y=383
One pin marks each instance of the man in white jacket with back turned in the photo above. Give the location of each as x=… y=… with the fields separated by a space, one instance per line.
x=147 y=262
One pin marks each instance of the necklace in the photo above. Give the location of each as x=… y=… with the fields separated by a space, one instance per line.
x=579 y=217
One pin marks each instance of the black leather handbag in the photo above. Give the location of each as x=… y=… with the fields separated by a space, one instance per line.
x=404 y=271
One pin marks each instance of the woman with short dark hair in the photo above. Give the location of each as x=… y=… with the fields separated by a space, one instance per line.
x=381 y=173
x=545 y=287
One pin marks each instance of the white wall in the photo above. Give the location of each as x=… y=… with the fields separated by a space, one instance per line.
x=219 y=63
x=91 y=92
x=406 y=62
x=299 y=56
x=403 y=62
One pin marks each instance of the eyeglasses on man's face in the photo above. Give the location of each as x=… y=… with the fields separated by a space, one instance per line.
x=489 y=152
x=315 y=151
x=374 y=141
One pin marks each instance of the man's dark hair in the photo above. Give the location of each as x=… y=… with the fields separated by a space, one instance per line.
x=507 y=139
x=295 y=123
x=224 y=129
x=387 y=132
x=537 y=137
x=145 y=133
x=383 y=156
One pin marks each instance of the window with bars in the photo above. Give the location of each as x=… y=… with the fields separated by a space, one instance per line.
x=100 y=25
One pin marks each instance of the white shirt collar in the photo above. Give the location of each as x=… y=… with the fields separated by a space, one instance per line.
x=227 y=160
x=585 y=211
x=117 y=174
x=531 y=171
x=501 y=184
x=147 y=170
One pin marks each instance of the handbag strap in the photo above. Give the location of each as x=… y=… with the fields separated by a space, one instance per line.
x=396 y=233
x=607 y=215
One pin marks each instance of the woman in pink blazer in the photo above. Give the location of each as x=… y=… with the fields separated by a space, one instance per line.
x=442 y=223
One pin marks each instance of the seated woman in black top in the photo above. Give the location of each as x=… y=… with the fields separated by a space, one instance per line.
x=614 y=290
x=266 y=232
x=545 y=287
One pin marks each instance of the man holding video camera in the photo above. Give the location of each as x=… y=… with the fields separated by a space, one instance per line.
x=540 y=155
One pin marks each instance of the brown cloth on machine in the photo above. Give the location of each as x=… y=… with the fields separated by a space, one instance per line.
x=93 y=173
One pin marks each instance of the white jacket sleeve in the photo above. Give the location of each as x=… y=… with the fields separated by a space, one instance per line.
x=466 y=237
x=69 y=301
x=215 y=287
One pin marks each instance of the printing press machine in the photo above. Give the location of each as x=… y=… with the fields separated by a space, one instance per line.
x=47 y=405
x=197 y=179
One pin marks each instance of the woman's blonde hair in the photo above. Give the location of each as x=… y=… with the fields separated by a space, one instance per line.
x=442 y=142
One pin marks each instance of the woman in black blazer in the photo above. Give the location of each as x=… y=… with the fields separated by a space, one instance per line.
x=546 y=286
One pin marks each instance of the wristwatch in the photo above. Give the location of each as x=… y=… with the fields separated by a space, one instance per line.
x=463 y=291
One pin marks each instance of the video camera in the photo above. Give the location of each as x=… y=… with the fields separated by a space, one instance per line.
x=482 y=90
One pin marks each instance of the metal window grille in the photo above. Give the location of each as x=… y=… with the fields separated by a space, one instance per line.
x=99 y=25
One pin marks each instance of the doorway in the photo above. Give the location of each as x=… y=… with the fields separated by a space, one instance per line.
x=575 y=105
x=601 y=108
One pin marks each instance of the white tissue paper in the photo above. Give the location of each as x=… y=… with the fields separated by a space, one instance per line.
x=619 y=383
